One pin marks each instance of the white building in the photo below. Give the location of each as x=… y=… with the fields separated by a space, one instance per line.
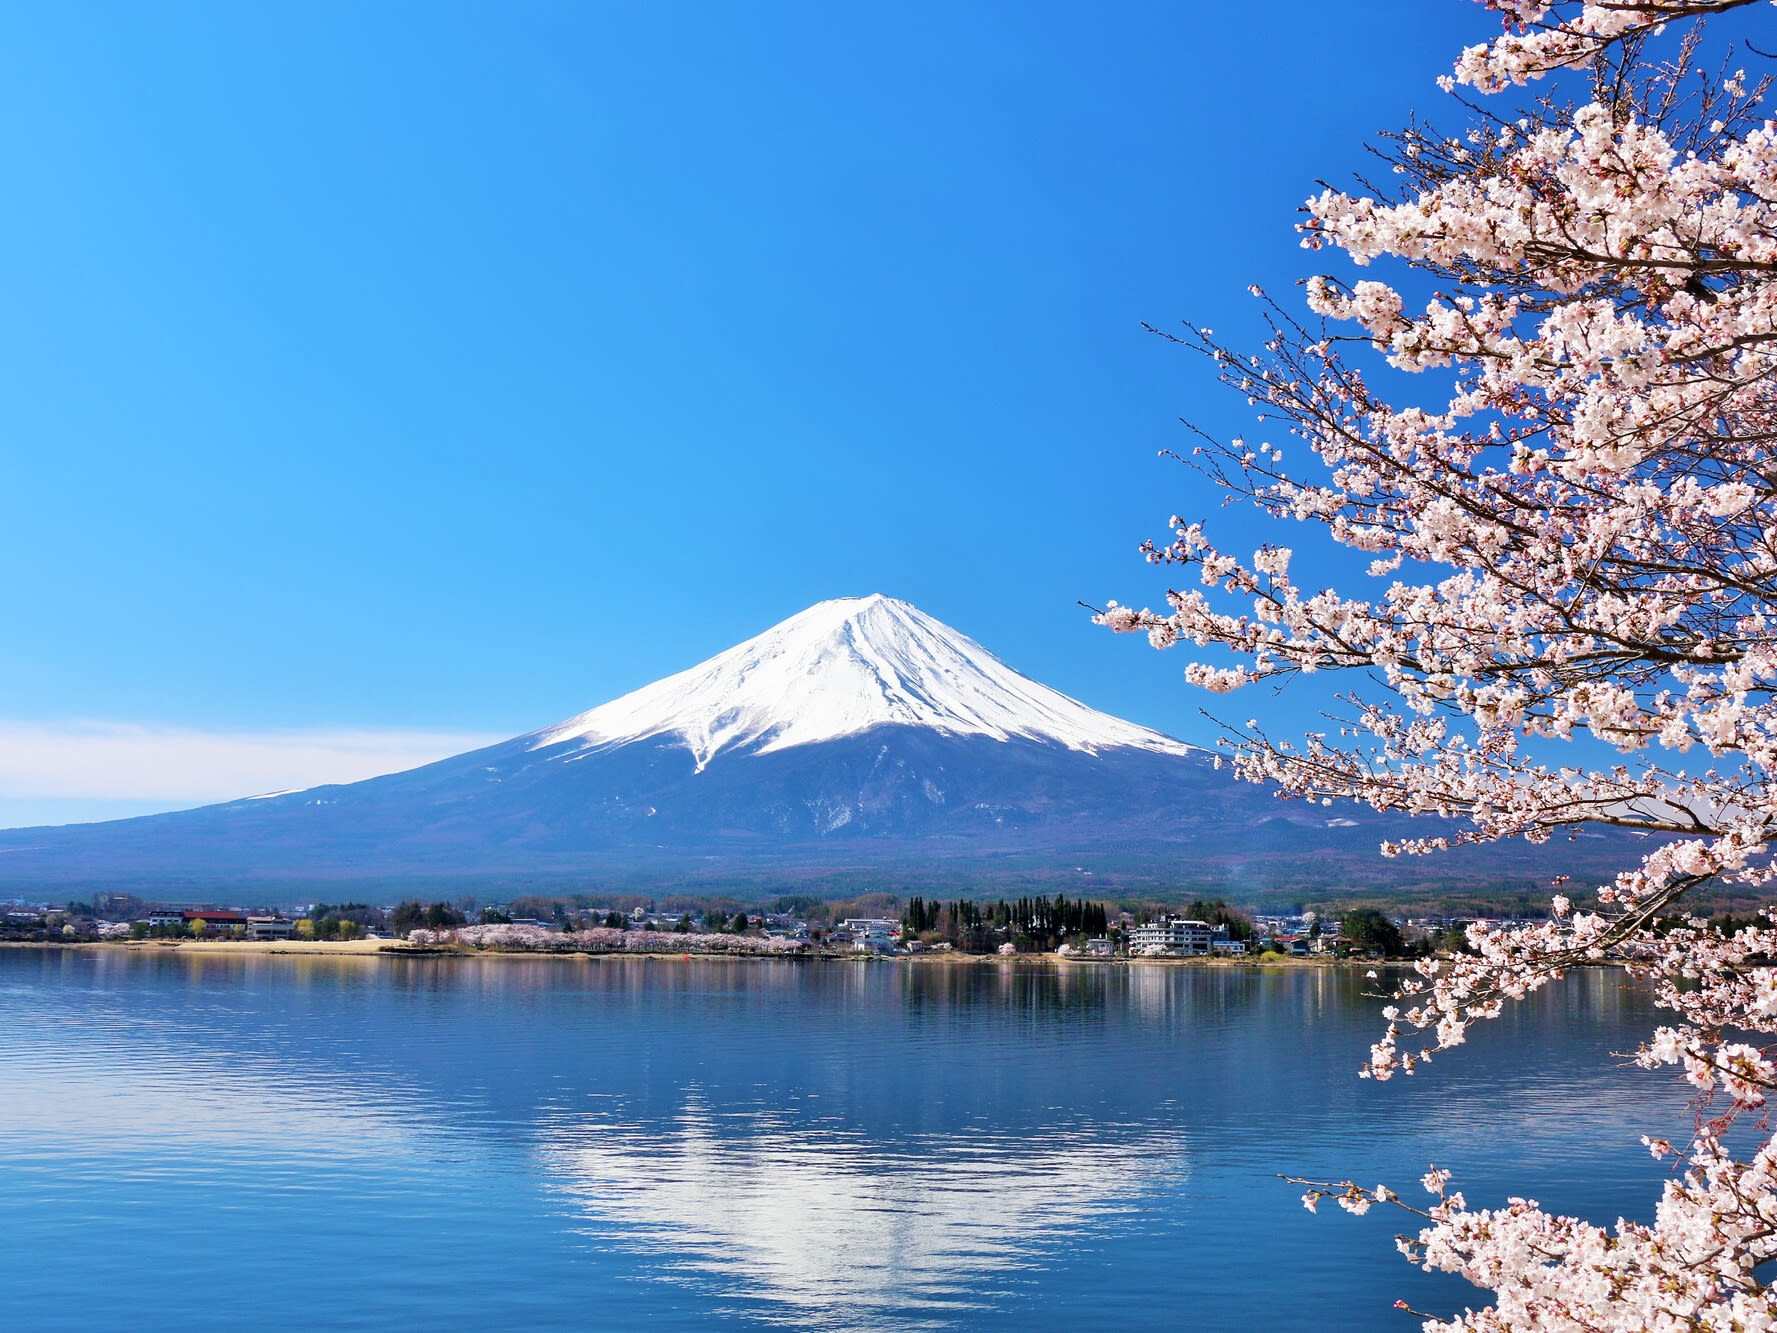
x=872 y=934
x=1174 y=936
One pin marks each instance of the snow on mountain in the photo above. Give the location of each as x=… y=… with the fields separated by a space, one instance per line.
x=840 y=668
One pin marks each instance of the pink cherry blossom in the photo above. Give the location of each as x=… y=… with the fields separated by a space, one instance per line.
x=1572 y=535
x=605 y=939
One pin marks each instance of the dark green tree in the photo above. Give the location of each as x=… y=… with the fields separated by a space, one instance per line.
x=1369 y=930
x=1218 y=913
x=442 y=916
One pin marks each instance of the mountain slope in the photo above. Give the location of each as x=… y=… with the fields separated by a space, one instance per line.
x=860 y=733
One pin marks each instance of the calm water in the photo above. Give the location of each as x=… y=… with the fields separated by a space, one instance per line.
x=202 y=1142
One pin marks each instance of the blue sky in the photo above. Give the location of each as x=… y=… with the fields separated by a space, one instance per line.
x=375 y=378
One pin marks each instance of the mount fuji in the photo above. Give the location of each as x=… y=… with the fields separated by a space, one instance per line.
x=838 y=670
x=860 y=740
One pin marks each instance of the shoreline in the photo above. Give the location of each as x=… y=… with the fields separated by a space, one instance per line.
x=401 y=949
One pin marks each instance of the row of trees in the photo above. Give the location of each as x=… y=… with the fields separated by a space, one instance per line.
x=412 y=914
x=342 y=921
x=1043 y=923
x=1038 y=923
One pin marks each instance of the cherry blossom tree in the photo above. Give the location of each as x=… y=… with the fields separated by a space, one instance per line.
x=509 y=938
x=1564 y=485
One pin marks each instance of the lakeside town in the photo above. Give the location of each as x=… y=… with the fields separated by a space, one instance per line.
x=791 y=926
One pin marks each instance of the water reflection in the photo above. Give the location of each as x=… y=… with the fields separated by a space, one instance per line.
x=979 y=1146
x=153 y=1074
x=224 y=1103
x=814 y=1225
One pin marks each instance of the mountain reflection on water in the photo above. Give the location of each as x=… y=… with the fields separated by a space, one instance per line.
x=562 y=1143
x=817 y=1223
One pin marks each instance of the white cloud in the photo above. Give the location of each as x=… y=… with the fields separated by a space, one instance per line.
x=173 y=767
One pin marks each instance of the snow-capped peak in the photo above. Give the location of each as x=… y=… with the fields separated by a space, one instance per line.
x=842 y=667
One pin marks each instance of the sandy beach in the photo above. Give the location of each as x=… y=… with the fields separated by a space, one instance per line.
x=305 y=949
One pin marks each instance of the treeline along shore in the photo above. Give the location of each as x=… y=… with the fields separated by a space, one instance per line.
x=790 y=926
x=396 y=950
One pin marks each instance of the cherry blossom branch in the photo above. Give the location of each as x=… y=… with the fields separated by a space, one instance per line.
x=1573 y=533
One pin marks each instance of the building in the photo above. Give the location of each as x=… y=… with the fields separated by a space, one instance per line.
x=270 y=927
x=872 y=934
x=1173 y=936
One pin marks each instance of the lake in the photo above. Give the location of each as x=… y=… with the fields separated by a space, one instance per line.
x=208 y=1141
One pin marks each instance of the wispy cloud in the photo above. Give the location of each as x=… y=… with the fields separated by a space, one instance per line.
x=171 y=767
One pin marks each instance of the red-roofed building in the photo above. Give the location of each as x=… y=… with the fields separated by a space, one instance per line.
x=216 y=920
